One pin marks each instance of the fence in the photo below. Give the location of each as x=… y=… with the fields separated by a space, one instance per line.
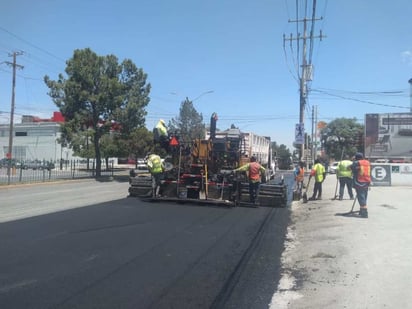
x=52 y=171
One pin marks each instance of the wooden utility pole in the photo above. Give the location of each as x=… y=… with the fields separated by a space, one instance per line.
x=10 y=150
x=306 y=63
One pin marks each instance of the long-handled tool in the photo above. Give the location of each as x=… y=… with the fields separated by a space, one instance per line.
x=337 y=178
x=336 y=190
x=305 y=194
x=354 y=202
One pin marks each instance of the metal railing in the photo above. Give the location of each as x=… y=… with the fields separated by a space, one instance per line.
x=67 y=170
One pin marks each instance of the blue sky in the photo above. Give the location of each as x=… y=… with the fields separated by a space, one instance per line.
x=228 y=56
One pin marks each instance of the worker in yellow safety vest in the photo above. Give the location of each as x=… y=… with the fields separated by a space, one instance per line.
x=319 y=173
x=156 y=169
x=344 y=175
x=160 y=134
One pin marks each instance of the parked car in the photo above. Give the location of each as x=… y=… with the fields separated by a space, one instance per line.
x=38 y=165
x=381 y=161
x=333 y=167
x=142 y=168
x=48 y=165
x=6 y=162
x=34 y=165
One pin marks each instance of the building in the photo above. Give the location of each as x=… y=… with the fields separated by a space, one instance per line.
x=389 y=136
x=35 y=138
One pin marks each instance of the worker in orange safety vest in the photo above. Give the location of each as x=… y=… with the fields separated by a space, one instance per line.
x=255 y=171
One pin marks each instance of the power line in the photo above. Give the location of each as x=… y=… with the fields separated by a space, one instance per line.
x=32 y=45
x=367 y=92
x=358 y=100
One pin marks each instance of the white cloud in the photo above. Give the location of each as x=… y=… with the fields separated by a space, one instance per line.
x=407 y=57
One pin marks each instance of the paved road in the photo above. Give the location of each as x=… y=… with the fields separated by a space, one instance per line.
x=119 y=252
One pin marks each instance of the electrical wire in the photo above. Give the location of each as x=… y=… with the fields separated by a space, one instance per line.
x=32 y=45
x=359 y=100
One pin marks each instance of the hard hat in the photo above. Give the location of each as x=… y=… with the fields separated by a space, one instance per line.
x=359 y=156
x=162 y=122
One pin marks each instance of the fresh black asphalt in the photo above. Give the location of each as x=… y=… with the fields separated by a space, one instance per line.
x=133 y=254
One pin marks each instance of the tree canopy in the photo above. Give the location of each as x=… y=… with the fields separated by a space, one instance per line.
x=189 y=124
x=283 y=155
x=342 y=136
x=99 y=96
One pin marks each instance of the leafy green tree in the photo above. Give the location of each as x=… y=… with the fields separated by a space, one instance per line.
x=283 y=155
x=342 y=136
x=96 y=92
x=141 y=142
x=110 y=146
x=189 y=123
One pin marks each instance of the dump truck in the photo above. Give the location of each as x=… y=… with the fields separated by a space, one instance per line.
x=203 y=172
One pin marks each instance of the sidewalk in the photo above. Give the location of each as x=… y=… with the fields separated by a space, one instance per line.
x=337 y=261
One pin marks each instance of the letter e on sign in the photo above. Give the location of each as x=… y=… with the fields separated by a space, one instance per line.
x=379 y=173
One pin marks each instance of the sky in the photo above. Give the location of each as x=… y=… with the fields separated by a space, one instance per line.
x=227 y=56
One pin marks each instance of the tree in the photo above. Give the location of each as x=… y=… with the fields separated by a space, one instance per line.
x=189 y=123
x=110 y=146
x=141 y=143
x=97 y=92
x=283 y=155
x=342 y=136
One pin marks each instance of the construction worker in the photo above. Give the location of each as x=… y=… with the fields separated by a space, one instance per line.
x=361 y=170
x=299 y=176
x=318 y=171
x=255 y=171
x=344 y=175
x=156 y=169
x=160 y=134
x=161 y=127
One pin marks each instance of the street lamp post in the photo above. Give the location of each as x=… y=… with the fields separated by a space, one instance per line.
x=198 y=97
x=201 y=95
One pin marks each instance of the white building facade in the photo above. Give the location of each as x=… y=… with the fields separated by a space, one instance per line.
x=34 y=141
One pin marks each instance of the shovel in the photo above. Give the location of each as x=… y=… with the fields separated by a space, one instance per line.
x=354 y=202
x=305 y=194
x=336 y=190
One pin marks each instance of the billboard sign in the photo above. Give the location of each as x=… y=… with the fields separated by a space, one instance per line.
x=388 y=136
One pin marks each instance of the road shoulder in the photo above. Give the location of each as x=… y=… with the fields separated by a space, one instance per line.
x=335 y=260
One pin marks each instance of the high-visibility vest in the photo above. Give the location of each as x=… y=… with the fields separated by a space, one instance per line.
x=343 y=170
x=364 y=172
x=154 y=163
x=318 y=170
x=162 y=130
x=254 y=169
x=300 y=175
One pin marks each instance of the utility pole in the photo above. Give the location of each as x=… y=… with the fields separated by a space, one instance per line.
x=410 y=94
x=312 y=135
x=10 y=150
x=306 y=62
x=315 y=138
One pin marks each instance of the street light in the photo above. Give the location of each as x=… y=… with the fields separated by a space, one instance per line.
x=202 y=94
